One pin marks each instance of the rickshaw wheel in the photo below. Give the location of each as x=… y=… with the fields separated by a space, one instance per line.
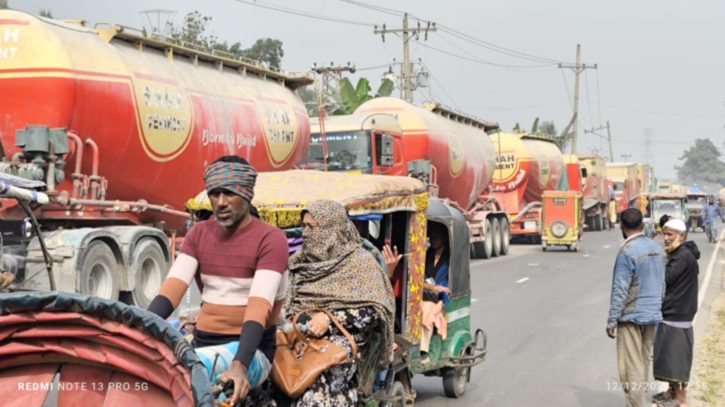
x=398 y=391
x=455 y=380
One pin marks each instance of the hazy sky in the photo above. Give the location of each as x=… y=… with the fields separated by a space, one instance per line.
x=661 y=62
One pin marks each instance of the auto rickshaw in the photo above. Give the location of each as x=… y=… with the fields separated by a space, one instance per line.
x=400 y=209
x=561 y=218
x=671 y=204
x=695 y=206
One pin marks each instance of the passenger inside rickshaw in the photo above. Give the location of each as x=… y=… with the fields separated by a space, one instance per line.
x=437 y=262
x=436 y=292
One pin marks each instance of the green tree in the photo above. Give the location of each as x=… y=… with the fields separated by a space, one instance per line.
x=265 y=50
x=701 y=164
x=193 y=30
x=353 y=97
x=548 y=129
x=45 y=13
x=307 y=94
x=4 y=4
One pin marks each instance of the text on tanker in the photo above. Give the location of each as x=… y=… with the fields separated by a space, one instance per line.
x=11 y=35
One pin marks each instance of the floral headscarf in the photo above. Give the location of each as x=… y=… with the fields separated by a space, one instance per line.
x=333 y=271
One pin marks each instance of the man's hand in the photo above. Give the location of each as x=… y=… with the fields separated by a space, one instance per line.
x=318 y=324
x=392 y=258
x=441 y=289
x=237 y=372
x=611 y=333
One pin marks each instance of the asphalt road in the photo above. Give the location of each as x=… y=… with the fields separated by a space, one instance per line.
x=545 y=315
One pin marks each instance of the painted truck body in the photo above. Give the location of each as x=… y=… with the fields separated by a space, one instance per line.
x=624 y=183
x=596 y=192
x=151 y=115
x=526 y=166
x=448 y=150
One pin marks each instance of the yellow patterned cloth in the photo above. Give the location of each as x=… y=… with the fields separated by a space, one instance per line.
x=280 y=196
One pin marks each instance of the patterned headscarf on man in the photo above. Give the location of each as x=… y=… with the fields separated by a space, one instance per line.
x=232 y=173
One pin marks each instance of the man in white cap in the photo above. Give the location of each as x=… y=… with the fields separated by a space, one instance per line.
x=674 y=341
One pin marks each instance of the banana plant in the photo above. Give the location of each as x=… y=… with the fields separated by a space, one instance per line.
x=353 y=97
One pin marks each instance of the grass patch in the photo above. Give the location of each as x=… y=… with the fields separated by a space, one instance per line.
x=710 y=368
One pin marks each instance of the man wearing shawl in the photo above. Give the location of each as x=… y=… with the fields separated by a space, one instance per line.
x=240 y=266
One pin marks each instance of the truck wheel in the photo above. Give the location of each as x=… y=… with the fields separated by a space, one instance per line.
x=605 y=223
x=99 y=272
x=598 y=223
x=151 y=270
x=482 y=250
x=496 y=230
x=505 y=236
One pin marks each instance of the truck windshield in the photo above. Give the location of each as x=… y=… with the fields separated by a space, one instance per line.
x=618 y=187
x=348 y=150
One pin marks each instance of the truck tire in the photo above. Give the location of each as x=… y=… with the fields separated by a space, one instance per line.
x=496 y=230
x=151 y=270
x=597 y=223
x=605 y=222
x=99 y=272
x=482 y=250
x=505 y=236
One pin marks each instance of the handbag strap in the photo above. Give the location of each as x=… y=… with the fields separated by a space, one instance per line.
x=334 y=320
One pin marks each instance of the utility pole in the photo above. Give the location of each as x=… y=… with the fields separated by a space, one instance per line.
x=331 y=76
x=609 y=137
x=648 y=144
x=578 y=68
x=408 y=34
x=158 y=28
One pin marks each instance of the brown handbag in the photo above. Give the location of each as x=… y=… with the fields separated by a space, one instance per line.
x=299 y=360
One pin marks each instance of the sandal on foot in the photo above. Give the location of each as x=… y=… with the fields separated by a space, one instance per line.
x=662 y=396
x=668 y=403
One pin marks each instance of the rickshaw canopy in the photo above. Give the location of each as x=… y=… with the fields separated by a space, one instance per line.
x=280 y=197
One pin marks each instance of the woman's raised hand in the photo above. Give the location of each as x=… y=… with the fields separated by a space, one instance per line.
x=392 y=258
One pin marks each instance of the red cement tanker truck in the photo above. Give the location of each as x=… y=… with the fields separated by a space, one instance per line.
x=448 y=150
x=526 y=166
x=120 y=127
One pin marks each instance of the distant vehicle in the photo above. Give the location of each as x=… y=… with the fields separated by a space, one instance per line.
x=624 y=182
x=595 y=192
x=674 y=205
x=695 y=206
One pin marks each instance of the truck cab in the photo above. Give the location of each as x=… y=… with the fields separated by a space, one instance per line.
x=357 y=144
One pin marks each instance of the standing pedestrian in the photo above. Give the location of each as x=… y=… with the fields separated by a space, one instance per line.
x=636 y=305
x=710 y=212
x=674 y=343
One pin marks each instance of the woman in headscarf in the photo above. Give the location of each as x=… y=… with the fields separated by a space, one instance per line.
x=334 y=272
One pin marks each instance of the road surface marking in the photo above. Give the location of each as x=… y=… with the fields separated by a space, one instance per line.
x=706 y=283
x=607 y=246
x=586 y=255
x=533 y=264
x=523 y=280
x=474 y=300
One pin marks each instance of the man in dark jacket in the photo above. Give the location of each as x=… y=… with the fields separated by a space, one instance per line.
x=674 y=341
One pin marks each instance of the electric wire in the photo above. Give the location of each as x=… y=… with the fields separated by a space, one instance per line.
x=301 y=13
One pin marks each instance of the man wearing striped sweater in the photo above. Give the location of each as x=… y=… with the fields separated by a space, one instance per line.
x=240 y=266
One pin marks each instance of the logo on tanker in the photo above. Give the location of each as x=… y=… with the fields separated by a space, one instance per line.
x=456 y=154
x=164 y=116
x=280 y=129
x=509 y=172
x=544 y=172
